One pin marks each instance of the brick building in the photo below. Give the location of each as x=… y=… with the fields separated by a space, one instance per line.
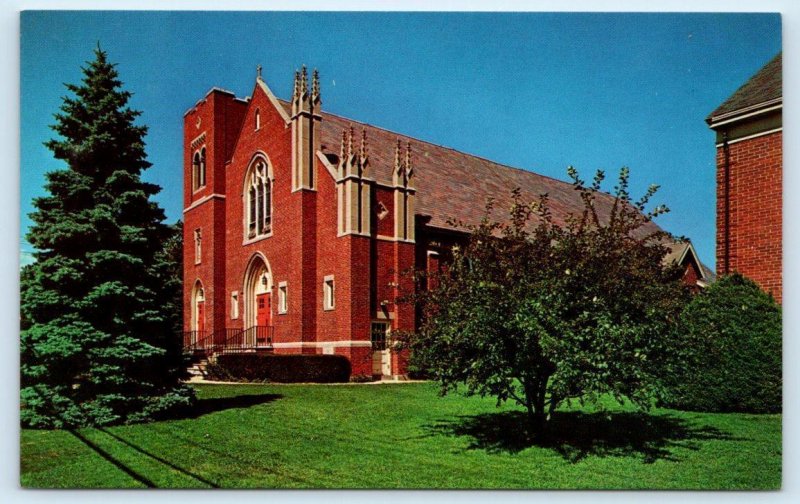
x=749 y=140
x=300 y=225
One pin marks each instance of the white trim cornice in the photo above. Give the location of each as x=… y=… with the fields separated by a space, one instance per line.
x=203 y=200
x=327 y=164
x=323 y=344
x=738 y=115
x=749 y=137
x=393 y=239
x=273 y=99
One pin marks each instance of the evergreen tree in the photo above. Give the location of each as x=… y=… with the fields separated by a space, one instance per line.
x=96 y=344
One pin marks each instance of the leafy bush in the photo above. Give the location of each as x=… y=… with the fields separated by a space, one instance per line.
x=540 y=310
x=281 y=368
x=361 y=378
x=731 y=352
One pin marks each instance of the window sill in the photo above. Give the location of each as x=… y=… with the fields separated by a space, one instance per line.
x=248 y=241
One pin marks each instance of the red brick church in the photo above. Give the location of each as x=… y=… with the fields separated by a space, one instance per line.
x=749 y=140
x=299 y=225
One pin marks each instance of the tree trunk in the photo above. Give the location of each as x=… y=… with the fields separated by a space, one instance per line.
x=535 y=404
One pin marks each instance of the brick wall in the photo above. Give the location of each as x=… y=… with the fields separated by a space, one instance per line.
x=755 y=219
x=303 y=247
x=212 y=125
x=282 y=249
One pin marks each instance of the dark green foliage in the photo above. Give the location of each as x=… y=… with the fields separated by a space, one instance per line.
x=168 y=266
x=97 y=340
x=281 y=368
x=540 y=312
x=730 y=350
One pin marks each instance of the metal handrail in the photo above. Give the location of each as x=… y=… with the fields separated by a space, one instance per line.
x=229 y=340
x=244 y=340
x=195 y=340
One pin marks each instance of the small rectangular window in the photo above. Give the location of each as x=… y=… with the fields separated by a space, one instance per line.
x=234 y=305
x=197 y=246
x=328 y=299
x=283 y=301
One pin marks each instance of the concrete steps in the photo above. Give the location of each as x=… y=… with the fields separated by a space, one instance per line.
x=197 y=371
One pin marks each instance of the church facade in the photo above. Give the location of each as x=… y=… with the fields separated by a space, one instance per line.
x=301 y=227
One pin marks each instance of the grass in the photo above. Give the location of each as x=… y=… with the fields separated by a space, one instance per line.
x=405 y=436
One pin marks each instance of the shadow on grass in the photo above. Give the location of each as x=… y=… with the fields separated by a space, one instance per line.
x=576 y=435
x=158 y=458
x=214 y=404
x=202 y=407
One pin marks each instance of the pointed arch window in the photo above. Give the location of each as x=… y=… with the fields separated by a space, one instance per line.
x=199 y=169
x=258 y=119
x=196 y=171
x=202 y=167
x=259 y=200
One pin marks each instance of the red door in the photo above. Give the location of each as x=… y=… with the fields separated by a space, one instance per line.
x=263 y=310
x=263 y=313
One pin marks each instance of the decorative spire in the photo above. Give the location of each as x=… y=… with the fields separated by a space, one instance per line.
x=258 y=71
x=350 y=144
x=397 y=164
x=315 y=84
x=343 y=149
x=363 y=150
x=304 y=81
x=296 y=92
x=409 y=168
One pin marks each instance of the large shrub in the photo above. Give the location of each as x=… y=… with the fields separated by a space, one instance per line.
x=540 y=310
x=281 y=368
x=731 y=352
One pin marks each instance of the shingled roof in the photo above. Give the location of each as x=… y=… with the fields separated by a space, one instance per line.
x=763 y=87
x=678 y=252
x=455 y=186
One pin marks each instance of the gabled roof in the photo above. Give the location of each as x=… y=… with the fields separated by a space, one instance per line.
x=453 y=185
x=765 y=87
x=680 y=252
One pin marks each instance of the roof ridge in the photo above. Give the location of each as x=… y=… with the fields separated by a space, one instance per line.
x=565 y=183
x=476 y=156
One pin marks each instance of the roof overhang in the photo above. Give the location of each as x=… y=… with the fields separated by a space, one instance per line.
x=746 y=123
x=715 y=121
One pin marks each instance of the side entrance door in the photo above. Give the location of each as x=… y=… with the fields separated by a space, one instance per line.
x=381 y=355
x=263 y=318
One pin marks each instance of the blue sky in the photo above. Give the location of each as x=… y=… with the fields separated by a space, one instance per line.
x=536 y=91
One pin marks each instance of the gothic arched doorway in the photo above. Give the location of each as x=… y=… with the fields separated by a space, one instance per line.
x=257 y=301
x=198 y=312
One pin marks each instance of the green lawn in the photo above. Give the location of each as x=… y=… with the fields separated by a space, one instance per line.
x=404 y=436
